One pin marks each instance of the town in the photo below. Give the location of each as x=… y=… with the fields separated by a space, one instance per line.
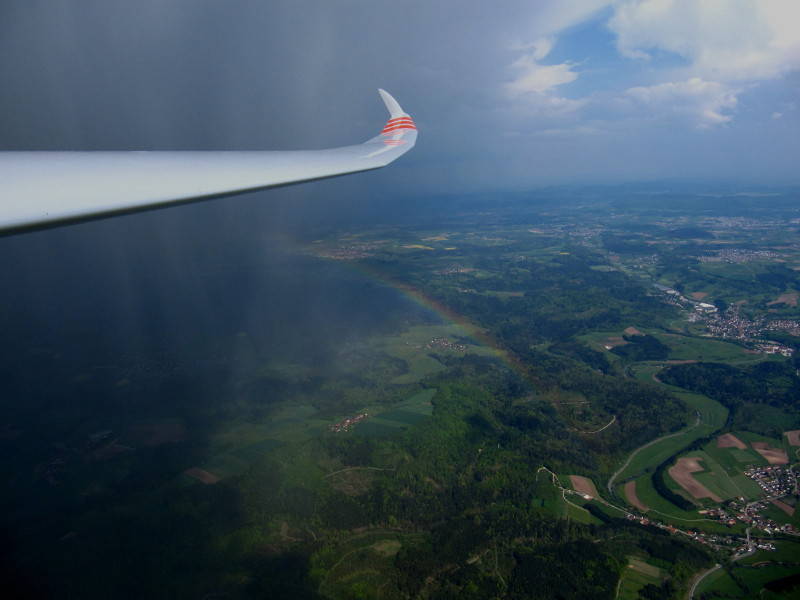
x=729 y=324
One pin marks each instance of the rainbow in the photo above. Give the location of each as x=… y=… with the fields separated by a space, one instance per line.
x=417 y=296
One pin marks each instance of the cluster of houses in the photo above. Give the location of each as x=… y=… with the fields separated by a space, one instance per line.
x=355 y=251
x=717 y=541
x=739 y=255
x=788 y=325
x=749 y=513
x=347 y=423
x=775 y=480
x=730 y=324
x=774 y=348
x=444 y=343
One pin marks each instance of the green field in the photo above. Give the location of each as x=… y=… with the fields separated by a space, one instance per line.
x=411 y=346
x=720 y=482
x=683 y=347
x=734 y=460
x=752 y=580
x=663 y=510
x=712 y=416
x=786 y=551
x=409 y=412
x=637 y=575
x=748 y=437
x=360 y=566
x=581 y=515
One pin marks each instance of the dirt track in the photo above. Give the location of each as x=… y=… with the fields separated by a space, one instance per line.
x=682 y=471
x=633 y=499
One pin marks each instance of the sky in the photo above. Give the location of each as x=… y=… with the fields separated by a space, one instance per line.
x=509 y=95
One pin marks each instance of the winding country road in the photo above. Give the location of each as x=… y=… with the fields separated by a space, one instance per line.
x=751 y=550
x=610 y=484
x=703 y=575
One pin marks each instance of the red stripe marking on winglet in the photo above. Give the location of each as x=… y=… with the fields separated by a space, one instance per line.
x=396 y=127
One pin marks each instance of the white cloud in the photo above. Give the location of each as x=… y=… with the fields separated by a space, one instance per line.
x=542 y=47
x=705 y=103
x=726 y=45
x=537 y=78
x=534 y=83
x=721 y=40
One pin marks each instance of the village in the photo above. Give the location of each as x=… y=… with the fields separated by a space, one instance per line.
x=750 y=513
x=445 y=344
x=347 y=423
x=776 y=481
x=738 y=255
x=738 y=544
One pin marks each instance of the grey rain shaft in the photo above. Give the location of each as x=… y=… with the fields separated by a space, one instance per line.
x=41 y=189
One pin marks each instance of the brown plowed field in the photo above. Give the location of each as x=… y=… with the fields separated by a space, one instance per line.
x=632 y=331
x=774 y=456
x=682 y=471
x=793 y=437
x=584 y=485
x=790 y=299
x=699 y=295
x=633 y=499
x=614 y=341
x=728 y=440
x=201 y=475
x=784 y=507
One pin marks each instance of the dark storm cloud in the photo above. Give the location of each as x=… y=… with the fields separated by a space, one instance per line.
x=188 y=74
x=202 y=74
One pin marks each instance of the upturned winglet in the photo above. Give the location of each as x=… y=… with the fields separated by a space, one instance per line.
x=397 y=137
x=392 y=105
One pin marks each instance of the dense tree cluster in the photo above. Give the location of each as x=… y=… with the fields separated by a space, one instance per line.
x=642 y=347
x=769 y=384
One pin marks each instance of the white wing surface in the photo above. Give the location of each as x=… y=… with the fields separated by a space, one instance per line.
x=41 y=189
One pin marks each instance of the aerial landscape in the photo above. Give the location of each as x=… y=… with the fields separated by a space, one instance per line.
x=538 y=377
x=554 y=354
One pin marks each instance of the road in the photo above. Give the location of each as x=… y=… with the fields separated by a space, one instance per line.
x=751 y=550
x=610 y=484
x=690 y=593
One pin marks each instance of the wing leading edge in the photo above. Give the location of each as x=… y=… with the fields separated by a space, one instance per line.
x=43 y=189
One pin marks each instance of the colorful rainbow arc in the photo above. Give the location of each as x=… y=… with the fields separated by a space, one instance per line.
x=480 y=335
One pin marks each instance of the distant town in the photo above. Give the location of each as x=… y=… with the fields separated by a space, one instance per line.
x=729 y=324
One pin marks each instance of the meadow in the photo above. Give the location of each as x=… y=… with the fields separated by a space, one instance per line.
x=744 y=582
x=712 y=416
x=637 y=575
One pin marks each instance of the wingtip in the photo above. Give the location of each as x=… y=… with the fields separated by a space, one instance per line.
x=392 y=105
